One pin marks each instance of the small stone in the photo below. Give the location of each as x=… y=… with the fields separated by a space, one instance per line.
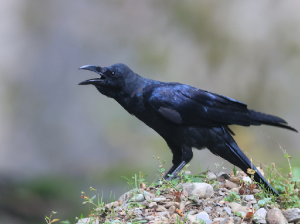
x=224 y=215
x=274 y=216
x=117 y=209
x=126 y=196
x=191 y=218
x=253 y=201
x=138 y=211
x=292 y=215
x=211 y=176
x=150 y=217
x=235 y=207
x=163 y=214
x=109 y=205
x=169 y=204
x=235 y=189
x=219 y=210
x=191 y=212
x=208 y=209
x=229 y=220
x=116 y=204
x=145 y=203
x=218 y=220
x=248 y=197
x=152 y=204
x=187 y=203
x=172 y=209
x=177 y=205
x=230 y=185
x=228 y=210
x=138 y=198
x=247 y=179
x=221 y=193
x=237 y=220
x=148 y=196
x=260 y=216
x=201 y=190
x=160 y=208
x=203 y=216
x=159 y=199
x=223 y=174
x=182 y=205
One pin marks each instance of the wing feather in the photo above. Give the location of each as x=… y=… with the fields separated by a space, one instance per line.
x=184 y=104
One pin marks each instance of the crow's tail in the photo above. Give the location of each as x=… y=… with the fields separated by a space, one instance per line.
x=257 y=118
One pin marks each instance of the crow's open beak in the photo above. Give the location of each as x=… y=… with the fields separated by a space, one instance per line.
x=94 y=81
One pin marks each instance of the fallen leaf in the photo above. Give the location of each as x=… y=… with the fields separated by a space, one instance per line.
x=179 y=212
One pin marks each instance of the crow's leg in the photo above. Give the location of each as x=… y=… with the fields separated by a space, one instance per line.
x=180 y=159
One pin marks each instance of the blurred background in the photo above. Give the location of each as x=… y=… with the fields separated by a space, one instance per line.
x=58 y=139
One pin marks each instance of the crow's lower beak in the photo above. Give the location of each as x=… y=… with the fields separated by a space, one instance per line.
x=91 y=82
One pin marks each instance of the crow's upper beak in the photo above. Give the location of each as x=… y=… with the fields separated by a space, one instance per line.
x=94 y=81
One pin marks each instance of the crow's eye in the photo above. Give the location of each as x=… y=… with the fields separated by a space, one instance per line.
x=112 y=73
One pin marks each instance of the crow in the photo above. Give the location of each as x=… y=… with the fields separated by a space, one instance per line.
x=184 y=116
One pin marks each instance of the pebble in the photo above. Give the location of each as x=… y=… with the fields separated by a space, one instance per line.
x=159 y=199
x=230 y=185
x=219 y=209
x=175 y=217
x=292 y=215
x=126 y=196
x=160 y=208
x=172 y=209
x=152 y=204
x=182 y=205
x=229 y=220
x=148 y=195
x=228 y=210
x=248 y=197
x=138 y=198
x=150 y=217
x=169 y=204
x=208 y=209
x=247 y=179
x=260 y=216
x=163 y=213
x=211 y=176
x=203 y=216
x=274 y=216
x=201 y=190
x=235 y=207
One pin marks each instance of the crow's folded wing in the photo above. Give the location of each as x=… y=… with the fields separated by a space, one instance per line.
x=184 y=104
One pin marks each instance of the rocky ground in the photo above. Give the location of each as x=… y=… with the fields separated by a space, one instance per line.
x=220 y=199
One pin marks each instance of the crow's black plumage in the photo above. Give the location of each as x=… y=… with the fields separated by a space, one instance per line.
x=183 y=115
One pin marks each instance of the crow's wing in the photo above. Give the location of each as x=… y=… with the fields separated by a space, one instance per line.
x=184 y=104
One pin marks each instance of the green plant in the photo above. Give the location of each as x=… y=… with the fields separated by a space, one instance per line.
x=49 y=219
x=232 y=197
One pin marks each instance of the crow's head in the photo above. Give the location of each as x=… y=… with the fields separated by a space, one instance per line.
x=113 y=76
x=113 y=80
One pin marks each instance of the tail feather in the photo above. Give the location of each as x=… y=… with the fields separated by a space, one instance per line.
x=244 y=163
x=257 y=118
x=229 y=150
